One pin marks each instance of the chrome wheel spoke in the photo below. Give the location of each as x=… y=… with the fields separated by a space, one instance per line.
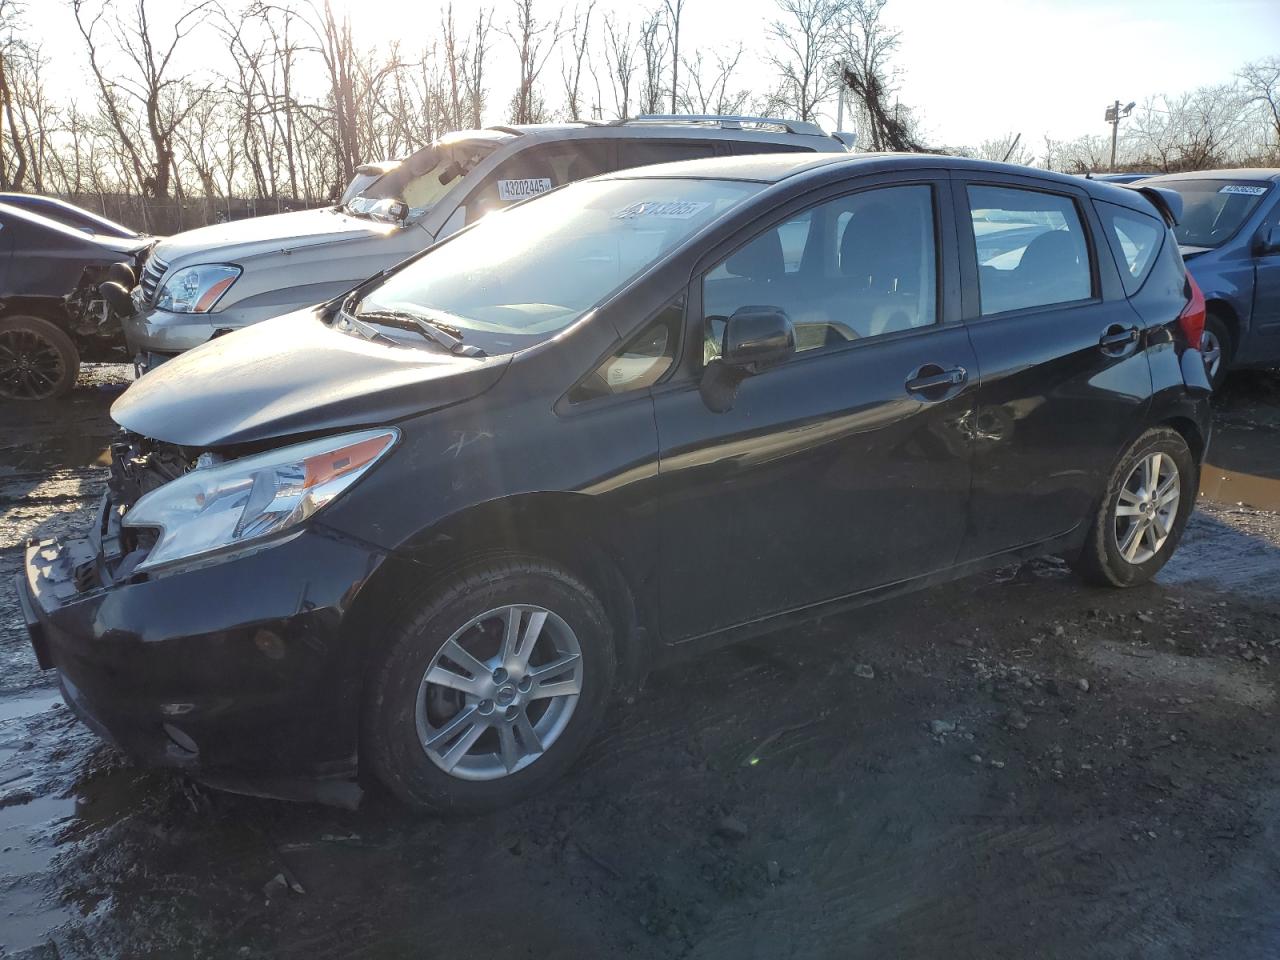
x=529 y=639
x=508 y=747
x=458 y=736
x=1128 y=510
x=442 y=675
x=529 y=736
x=460 y=655
x=1132 y=539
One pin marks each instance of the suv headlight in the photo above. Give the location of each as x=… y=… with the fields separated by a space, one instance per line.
x=197 y=289
x=241 y=501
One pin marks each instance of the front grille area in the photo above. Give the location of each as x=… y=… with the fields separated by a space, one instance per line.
x=152 y=273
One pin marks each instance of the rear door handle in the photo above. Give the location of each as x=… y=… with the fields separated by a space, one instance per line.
x=932 y=378
x=1115 y=338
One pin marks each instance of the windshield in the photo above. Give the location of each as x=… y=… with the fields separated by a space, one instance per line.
x=1213 y=210
x=421 y=180
x=522 y=275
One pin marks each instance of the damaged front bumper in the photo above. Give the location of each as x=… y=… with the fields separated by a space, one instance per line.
x=239 y=672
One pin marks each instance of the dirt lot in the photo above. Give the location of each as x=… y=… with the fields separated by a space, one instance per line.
x=1012 y=766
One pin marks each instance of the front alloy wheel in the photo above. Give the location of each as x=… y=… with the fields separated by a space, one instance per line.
x=489 y=687
x=1146 y=508
x=500 y=692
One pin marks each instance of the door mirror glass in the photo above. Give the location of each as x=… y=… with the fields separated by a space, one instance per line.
x=756 y=337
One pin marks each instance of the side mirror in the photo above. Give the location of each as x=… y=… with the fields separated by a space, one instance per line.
x=1269 y=241
x=757 y=337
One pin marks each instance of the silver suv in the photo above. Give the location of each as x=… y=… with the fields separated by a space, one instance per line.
x=205 y=282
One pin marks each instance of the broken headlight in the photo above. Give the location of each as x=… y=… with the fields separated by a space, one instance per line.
x=197 y=289
x=241 y=501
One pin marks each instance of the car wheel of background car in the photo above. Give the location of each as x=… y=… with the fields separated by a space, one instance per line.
x=1216 y=345
x=37 y=360
x=490 y=689
x=1150 y=495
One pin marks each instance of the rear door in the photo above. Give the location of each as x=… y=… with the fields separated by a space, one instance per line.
x=1064 y=377
x=846 y=467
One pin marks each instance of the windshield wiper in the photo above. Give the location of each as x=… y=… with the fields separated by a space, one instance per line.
x=440 y=333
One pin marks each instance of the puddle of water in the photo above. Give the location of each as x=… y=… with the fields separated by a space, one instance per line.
x=28 y=841
x=1232 y=487
x=27 y=704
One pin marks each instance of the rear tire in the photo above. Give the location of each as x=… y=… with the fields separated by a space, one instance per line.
x=464 y=713
x=38 y=360
x=1137 y=526
x=1218 y=348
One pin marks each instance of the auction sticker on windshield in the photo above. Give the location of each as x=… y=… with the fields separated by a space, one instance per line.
x=1243 y=189
x=523 y=189
x=666 y=209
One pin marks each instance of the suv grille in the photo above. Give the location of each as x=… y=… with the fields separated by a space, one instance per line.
x=152 y=273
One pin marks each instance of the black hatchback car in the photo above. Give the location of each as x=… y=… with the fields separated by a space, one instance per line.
x=427 y=531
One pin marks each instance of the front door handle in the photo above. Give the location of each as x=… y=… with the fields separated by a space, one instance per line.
x=1116 y=338
x=932 y=382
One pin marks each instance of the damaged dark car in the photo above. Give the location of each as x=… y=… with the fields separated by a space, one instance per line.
x=54 y=258
x=423 y=534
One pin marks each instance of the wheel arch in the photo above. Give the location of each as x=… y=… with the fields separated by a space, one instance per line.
x=568 y=530
x=1227 y=313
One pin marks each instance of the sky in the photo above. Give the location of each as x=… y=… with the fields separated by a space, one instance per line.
x=974 y=71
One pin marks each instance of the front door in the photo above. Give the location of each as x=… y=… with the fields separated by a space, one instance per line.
x=1064 y=376
x=846 y=467
x=1266 y=291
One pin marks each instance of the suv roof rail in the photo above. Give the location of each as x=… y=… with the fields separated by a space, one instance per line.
x=728 y=122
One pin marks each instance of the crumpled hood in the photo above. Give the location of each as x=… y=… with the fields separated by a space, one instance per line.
x=234 y=241
x=294 y=375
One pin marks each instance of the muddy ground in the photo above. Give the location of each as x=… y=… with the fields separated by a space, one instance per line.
x=1011 y=766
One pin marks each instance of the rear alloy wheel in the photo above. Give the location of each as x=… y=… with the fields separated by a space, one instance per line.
x=38 y=361
x=489 y=689
x=1143 y=513
x=1215 y=346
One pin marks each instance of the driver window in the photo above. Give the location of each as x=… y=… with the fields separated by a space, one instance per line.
x=860 y=266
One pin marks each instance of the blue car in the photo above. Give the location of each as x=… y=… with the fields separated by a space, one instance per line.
x=1230 y=239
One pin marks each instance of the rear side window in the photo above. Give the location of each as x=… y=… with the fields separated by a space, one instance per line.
x=1135 y=240
x=1031 y=249
x=536 y=170
x=639 y=153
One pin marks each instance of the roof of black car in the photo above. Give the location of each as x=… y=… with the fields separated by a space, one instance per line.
x=775 y=167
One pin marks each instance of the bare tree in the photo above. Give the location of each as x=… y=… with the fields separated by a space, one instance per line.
x=675 y=11
x=10 y=47
x=1006 y=149
x=653 y=57
x=867 y=46
x=535 y=40
x=803 y=51
x=1261 y=81
x=163 y=100
x=619 y=55
x=709 y=84
x=572 y=64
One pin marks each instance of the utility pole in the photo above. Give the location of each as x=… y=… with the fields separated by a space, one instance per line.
x=1112 y=116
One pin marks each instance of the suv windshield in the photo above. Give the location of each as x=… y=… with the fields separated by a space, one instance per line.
x=1213 y=210
x=521 y=276
x=422 y=179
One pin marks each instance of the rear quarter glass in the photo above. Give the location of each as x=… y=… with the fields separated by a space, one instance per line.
x=1135 y=240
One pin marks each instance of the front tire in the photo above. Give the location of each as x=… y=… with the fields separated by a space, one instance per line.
x=1149 y=497
x=1217 y=347
x=489 y=689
